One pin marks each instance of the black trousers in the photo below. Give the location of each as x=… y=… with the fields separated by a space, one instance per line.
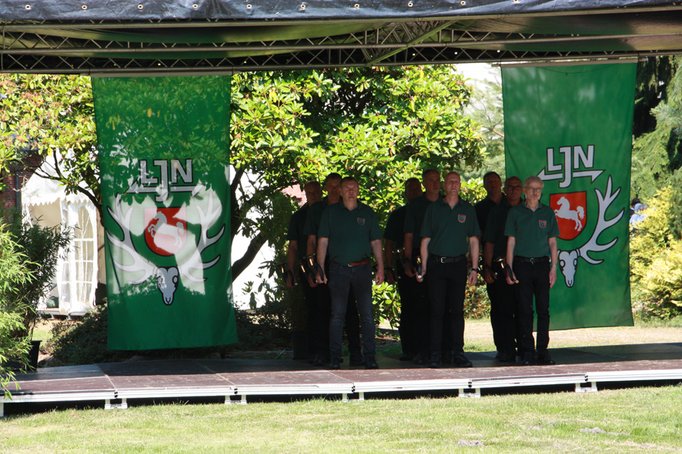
x=503 y=315
x=533 y=283
x=446 y=285
x=320 y=318
x=409 y=315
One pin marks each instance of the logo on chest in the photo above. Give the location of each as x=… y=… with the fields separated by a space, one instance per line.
x=360 y=221
x=461 y=218
x=542 y=223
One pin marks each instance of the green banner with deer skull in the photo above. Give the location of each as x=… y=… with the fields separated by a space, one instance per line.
x=163 y=150
x=572 y=127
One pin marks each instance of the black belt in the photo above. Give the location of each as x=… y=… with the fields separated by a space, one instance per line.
x=442 y=259
x=531 y=260
x=358 y=263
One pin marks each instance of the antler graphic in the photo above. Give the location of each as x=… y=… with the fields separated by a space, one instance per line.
x=568 y=260
x=166 y=277
x=139 y=264
x=207 y=215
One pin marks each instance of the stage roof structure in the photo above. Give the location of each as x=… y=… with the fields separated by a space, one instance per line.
x=128 y=36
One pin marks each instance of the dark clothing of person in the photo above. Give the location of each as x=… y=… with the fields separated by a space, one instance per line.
x=533 y=282
x=503 y=303
x=303 y=304
x=409 y=309
x=446 y=285
x=296 y=231
x=483 y=209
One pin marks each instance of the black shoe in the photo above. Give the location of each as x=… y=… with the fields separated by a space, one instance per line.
x=435 y=361
x=356 y=362
x=506 y=357
x=371 y=363
x=459 y=360
x=545 y=360
x=335 y=364
x=419 y=359
x=527 y=359
x=406 y=357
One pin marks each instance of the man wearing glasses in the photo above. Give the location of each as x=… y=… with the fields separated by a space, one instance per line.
x=503 y=305
x=531 y=230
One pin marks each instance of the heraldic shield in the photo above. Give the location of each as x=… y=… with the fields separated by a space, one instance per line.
x=570 y=209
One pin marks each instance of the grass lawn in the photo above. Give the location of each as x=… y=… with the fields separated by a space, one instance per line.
x=615 y=420
x=628 y=420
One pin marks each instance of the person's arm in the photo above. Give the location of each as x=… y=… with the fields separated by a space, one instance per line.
x=376 y=250
x=292 y=255
x=407 y=253
x=390 y=262
x=424 y=254
x=554 y=252
x=511 y=243
x=488 y=251
x=322 y=243
x=474 y=253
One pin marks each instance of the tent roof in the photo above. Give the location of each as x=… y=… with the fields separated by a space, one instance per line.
x=89 y=36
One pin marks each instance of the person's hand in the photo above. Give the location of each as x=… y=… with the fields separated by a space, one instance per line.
x=552 y=277
x=389 y=276
x=420 y=277
x=409 y=270
x=379 y=278
x=473 y=277
x=290 y=279
x=488 y=276
x=311 y=282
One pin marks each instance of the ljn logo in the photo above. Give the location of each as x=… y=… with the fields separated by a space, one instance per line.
x=570 y=208
x=166 y=229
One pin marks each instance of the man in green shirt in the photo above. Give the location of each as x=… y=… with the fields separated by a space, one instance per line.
x=503 y=305
x=450 y=230
x=303 y=310
x=531 y=230
x=349 y=233
x=414 y=216
x=394 y=235
x=332 y=186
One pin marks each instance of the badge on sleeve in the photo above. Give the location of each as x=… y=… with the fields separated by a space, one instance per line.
x=542 y=223
x=462 y=218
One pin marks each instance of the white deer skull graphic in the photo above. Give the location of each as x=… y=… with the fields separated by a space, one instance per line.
x=568 y=260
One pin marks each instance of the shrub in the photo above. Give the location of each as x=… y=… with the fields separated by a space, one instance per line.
x=13 y=274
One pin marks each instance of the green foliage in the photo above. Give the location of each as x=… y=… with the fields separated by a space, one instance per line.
x=40 y=247
x=83 y=341
x=386 y=304
x=656 y=261
x=49 y=114
x=13 y=273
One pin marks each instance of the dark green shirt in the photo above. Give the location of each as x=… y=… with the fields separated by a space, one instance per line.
x=395 y=227
x=414 y=217
x=312 y=221
x=494 y=230
x=532 y=229
x=483 y=209
x=349 y=231
x=449 y=228
x=296 y=230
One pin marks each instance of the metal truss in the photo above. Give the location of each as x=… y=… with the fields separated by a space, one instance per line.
x=153 y=46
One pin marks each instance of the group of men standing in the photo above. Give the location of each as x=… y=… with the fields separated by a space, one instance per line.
x=431 y=251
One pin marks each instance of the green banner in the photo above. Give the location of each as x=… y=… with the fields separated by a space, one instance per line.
x=572 y=127
x=164 y=147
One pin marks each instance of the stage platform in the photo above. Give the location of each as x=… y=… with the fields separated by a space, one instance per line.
x=233 y=380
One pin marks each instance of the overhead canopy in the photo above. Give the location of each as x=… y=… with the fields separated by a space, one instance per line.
x=88 y=36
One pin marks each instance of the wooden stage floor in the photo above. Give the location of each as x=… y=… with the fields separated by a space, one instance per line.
x=236 y=380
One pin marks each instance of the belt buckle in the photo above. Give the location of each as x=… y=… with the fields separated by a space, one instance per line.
x=532 y=260
x=442 y=260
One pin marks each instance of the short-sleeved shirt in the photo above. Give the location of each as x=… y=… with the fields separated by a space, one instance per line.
x=312 y=221
x=531 y=229
x=483 y=209
x=450 y=228
x=494 y=230
x=296 y=230
x=349 y=231
x=414 y=217
x=395 y=227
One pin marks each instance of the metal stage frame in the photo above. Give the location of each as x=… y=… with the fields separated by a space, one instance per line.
x=115 y=385
x=306 y=35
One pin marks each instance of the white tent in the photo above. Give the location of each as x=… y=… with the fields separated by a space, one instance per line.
x=46 y=203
